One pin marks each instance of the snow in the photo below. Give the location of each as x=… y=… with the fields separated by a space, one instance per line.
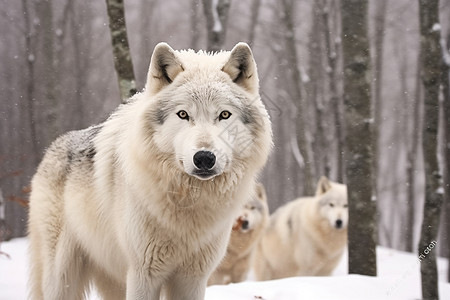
x=398 y=278
x=436 y=27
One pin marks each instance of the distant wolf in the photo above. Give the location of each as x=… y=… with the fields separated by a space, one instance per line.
x=246 y=232
x=305 y=237
x=142 y=204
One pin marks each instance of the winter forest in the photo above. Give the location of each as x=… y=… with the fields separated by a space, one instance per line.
x=58 y=74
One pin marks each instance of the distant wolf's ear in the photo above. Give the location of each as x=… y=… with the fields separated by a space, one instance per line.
x=242 y=68
x=323 y=185
x=260 y=191
x=164 y=67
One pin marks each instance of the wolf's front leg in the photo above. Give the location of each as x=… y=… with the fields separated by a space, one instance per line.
x=186 y=287
x=141 y=286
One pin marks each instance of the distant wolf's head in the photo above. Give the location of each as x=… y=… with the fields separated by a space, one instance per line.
x=204 y=111
x=255 y=212
x=333 y=202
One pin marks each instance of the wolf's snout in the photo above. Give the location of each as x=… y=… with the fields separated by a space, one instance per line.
x=204 y=160
x=338 y=223
x=245 y=224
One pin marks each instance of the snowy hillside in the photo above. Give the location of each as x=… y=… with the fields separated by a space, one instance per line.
x=398 y=278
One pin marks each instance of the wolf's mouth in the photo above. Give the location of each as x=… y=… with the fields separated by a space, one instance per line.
x=204 y=174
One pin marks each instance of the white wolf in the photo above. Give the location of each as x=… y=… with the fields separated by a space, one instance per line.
x=246 y=232
x=305 y=237
x=142 y=204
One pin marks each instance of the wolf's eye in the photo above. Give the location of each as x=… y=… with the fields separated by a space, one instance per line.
x=331 y=205
x=182 y=114
x=224 y=115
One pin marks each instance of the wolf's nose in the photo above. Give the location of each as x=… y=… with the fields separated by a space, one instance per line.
x=245 y=224
x=338 y=223
x=204 y=160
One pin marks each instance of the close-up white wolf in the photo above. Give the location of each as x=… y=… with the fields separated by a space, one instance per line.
x=305 y=237
x=142 y=205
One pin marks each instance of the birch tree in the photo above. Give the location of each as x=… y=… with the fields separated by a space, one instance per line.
x=358 y=141
x=431 y=72
x=121 y=49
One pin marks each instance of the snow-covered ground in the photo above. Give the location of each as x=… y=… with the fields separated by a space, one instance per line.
x=398 y=278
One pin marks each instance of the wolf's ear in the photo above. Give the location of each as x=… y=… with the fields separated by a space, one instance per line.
x=164 y=67
x=323 y=185
x=241 y=67
x=260 y=191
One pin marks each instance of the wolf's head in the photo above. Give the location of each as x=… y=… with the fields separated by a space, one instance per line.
x=204 y=111
x=333 y=202
x=255 y=212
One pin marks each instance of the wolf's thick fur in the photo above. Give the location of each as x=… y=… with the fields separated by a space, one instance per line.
x=247 y=230
x=142 y=204
x=305 y=237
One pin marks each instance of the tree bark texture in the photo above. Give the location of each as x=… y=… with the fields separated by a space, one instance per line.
x=411 y=164
x=335 y=100
x=431 y=72
x=216 y=13
x=358 y=141
x=255 y=8
x=446 y=95
x=30 y=59
x=121 y=49
x=316 y=92
x=378 y=42
x=299 y=101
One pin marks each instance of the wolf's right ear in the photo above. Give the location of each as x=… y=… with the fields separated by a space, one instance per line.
x=164 y=67
x=241 y=67
x=323 y=186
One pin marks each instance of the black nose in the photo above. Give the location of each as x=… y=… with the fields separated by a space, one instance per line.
x=204 y=160
x=245 y=224
x=338 y=223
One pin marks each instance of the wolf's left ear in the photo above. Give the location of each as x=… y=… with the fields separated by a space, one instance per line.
x=241 y=67
x=260 y=191
x=164 y=67
x=323 y=185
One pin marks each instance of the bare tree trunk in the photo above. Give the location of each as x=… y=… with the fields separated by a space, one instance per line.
x=82 y=49
x=359 y=147
x=50 y=103
x=30 y=96
x=431 y=70
x=411 y=164
x=121 y=49
x=332 y=55
x=195 y=32
x=314 y=88
x=402 y=138
x=255 y=5
x=147 y=11
x=380 y=16
x=338 y=109
x=216 y=13
x=299 y=101
x=445 y=45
